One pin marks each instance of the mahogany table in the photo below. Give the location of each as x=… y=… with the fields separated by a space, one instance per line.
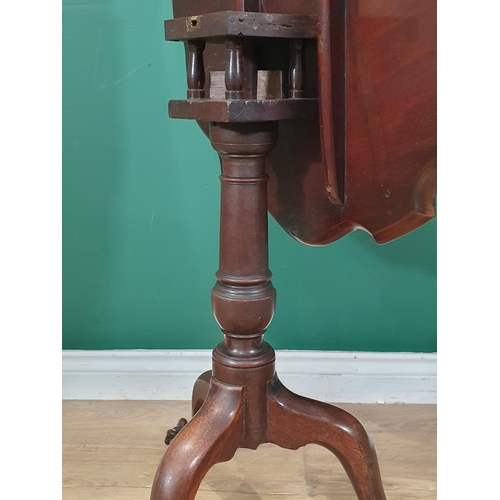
x=324 y=113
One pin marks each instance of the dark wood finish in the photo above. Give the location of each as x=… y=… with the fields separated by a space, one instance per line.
x=381 y=148
x=243 y=298
x=243 y=110
x=248 y=24
x=196 y=7
x=364 y=157
x=389 y=162
x=296 y=76
x=213 y=435
x=200 y=391
x=245 y=405
x=171 y=433
x=195 y=69
x=234 y=77
x=331 y=88
x=295 y=421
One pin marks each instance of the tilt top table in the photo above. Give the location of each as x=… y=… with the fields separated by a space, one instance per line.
x=324 y=113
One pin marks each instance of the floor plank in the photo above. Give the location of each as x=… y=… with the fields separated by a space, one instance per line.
x=111 y=450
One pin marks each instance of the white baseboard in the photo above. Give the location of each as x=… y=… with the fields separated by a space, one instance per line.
x=343 y=377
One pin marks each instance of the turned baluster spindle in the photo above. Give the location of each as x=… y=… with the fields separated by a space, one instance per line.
x=243 y=299
x=195 y=70
x=296 y=76
x=234 y=77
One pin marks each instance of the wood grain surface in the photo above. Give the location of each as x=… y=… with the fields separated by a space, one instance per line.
x=111 y=450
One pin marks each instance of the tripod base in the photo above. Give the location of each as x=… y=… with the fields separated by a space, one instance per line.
x=228 y=416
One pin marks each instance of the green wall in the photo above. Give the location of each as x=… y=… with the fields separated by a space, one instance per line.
x=140 y=216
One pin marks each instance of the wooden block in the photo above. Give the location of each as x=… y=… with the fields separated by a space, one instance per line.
x=217 y=88
x=243 y=110
x=269 y=85
x=237 y=23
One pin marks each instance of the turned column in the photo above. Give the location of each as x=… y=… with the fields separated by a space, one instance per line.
x=244 y=299
x=296 y=74
x=195 y=69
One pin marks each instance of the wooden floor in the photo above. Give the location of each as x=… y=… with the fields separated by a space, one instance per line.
x=111 y=450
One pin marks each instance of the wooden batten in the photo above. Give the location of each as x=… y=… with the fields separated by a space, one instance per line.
x=269 y=85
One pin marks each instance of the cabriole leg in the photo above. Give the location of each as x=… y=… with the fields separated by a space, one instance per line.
x=294 y=421
x=200 y=391
x=213 y=435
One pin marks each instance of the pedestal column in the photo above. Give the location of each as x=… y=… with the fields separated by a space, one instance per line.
x=244 y=299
